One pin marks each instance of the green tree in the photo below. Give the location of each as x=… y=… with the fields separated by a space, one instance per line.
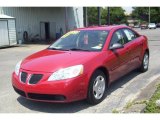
x=142 y=13
x=104 y=13
x=92 y=15
x=154 y=14
x=117 y=15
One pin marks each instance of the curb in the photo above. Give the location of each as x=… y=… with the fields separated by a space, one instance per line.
x=138 y=105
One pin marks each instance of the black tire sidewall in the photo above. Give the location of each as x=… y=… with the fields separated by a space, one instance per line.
x=142 y=65
x=90 y=97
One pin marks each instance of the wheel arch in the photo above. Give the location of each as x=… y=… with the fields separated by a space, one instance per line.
x=105 y=71
x=89 y=97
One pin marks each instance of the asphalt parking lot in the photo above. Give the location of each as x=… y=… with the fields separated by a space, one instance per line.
x=119 y=93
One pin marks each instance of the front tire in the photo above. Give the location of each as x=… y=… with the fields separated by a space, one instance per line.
x=145 y=62
x=97 y=88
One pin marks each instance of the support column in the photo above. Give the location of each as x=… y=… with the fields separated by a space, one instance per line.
x=108 y=16
x=66 y=19
x=99 y=16
x=85 y=17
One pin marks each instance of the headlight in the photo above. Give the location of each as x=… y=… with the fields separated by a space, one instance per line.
x=18 y=65
x=67 y=73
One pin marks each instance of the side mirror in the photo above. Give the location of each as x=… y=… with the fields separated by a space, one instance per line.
x=116 y=46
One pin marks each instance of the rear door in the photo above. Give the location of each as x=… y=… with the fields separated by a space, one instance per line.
x=135 y=45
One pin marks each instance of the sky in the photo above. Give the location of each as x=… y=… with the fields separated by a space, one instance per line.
x=127 y=9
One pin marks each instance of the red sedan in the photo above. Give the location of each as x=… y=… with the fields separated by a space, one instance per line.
x=81 y=64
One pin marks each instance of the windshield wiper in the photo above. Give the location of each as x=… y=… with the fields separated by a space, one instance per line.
x=72 y=49
x=58 y=49
x=78 y=49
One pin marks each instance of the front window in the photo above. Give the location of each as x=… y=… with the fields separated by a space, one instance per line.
x=118 y=37
x=83 y=40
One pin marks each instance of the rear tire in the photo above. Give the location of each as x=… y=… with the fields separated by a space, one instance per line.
x=145 y=62
x=97 y=88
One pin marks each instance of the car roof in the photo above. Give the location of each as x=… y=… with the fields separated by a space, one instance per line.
x=103 y=27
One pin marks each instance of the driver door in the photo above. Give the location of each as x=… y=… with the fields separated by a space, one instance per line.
x=119 y=57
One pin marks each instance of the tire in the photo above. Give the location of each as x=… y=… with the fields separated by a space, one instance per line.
x=97 y=88
x=145 y=62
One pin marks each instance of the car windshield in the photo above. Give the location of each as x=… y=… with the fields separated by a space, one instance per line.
x=83 y=40
x=152 y=23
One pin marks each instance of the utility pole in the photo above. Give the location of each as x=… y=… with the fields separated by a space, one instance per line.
x=66 y=19
x=149 y=16
x=85 y=16
x=99 y=16
x=108 y=16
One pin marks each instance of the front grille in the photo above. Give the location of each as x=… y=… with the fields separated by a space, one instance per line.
x=20 y=92
x=35 y=78
x=48 y=97
x=23 y=77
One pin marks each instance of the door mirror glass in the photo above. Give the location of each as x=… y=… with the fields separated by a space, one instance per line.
x=116 y=46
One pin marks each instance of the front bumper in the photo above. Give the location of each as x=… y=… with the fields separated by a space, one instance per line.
x=151 y=27
x=52 y=91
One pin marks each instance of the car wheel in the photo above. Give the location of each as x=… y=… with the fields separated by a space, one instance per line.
x=97 y=88
x=145 y=62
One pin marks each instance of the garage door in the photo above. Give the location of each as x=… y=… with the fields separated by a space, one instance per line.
x=3 y=33
x=12 y=32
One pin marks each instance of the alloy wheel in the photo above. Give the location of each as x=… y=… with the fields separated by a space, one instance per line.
x=99 y=87
x=145 y=61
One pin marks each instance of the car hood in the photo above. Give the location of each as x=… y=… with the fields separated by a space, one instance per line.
x=52 y=60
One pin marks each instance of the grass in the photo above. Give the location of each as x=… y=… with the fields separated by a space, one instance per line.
x=115 y=111
x=151 y=105
x=131 y=103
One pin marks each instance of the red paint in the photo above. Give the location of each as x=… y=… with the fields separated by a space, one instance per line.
x=117 y=63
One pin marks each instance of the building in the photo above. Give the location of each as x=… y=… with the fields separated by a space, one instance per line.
x=7 y=31
x=44 y=23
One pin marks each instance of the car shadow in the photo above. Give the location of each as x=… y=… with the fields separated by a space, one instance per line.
x=74 y=106
x=6 y=47
x=121 y=81
x=53 y=107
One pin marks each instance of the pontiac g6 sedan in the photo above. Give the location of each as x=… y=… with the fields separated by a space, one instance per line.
x=81 y=64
